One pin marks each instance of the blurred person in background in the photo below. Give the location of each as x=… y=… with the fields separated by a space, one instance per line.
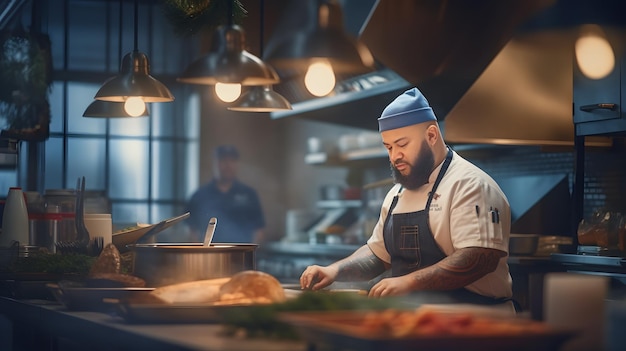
x=236 y=205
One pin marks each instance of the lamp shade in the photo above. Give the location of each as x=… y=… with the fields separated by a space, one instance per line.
x=326 y=40
x=109 y=109
x=260 y=99
x=228 y=62
x=134 y=79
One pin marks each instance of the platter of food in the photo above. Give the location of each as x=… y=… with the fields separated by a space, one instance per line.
x=202 y=301
x=424 y=329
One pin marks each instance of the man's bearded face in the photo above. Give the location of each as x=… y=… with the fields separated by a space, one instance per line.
x=419 y=169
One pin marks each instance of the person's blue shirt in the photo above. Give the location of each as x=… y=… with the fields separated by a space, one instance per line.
x=238 y=212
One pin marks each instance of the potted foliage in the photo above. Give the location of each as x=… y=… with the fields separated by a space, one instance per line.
x=25 y=73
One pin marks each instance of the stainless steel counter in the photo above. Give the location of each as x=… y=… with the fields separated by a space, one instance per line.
x=42 y=325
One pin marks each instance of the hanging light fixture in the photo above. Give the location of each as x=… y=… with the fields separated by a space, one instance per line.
x=228 y=65
x=322 y=50
x=261 y=98
x=110 y=109
x=134 y=86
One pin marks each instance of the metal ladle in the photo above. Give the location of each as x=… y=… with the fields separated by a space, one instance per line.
x=210 y=230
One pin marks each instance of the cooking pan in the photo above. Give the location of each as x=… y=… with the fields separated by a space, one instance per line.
x=163 y=264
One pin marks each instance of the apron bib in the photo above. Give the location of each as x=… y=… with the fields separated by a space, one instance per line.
x=408 y=237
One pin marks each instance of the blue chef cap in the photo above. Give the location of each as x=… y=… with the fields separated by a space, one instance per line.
x=407 y=109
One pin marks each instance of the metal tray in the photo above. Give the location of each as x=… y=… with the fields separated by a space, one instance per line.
x=80 y=298
x=148 y=313
x=342 y=330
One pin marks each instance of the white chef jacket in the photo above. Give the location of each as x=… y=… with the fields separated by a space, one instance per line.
x=460 y=216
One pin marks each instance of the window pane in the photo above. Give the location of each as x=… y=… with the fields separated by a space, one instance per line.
x=125 y=214
x=180 y=118
x=86 y=49
x=192 y=114
x=54 y=163
x=164 y=170
x=139 y=126
x=8 y=178
x=164 y=118
x=192 y=168
x=86 y=157
x=56 y=32
x=56 y=107
x=79 y=96
x=171 y=171
x=129 y=165
x=177 y=232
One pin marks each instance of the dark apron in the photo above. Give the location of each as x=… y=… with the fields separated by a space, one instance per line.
x=412 y=246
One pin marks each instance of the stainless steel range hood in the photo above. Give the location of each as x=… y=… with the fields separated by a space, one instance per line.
x=495 y=72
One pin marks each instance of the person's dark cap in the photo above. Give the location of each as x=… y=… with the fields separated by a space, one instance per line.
x=407 y=109
x=226 y=151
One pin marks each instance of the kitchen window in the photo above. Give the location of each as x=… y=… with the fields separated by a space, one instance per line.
x=148 y=166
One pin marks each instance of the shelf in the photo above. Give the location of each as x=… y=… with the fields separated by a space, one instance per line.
x=345 y=158
x=339 y=203
x=364 y=154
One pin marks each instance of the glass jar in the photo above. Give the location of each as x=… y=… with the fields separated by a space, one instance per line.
x=63 y=201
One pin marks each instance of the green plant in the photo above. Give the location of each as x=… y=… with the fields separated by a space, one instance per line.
x=25 y=67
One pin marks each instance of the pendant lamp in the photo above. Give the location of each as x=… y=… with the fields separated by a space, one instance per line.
x=261 y=98
x=228 y=62
x=323 y=46
x=110 y=109
x=134 y=82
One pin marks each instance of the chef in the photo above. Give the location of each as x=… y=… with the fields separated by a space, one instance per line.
x=443 y=227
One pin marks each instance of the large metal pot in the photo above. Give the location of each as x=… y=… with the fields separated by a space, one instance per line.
x=163 y=264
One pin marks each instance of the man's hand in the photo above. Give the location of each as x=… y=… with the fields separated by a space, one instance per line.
x=395 y=286
x=317 y=277
x=460 y=269
x=361 y=265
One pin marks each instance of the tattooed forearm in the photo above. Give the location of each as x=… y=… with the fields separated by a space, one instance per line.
x=458 y=270
x=361 y=265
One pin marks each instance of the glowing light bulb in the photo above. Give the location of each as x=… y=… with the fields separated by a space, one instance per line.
x=228 y=92
x=594 y=53
x=135 y=106
x=320 y=78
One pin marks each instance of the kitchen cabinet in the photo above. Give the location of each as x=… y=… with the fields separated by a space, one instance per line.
x=600 y=104
x=598 y=111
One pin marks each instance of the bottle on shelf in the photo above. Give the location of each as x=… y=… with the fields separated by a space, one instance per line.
x=15 y=219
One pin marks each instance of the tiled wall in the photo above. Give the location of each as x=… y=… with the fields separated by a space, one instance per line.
x=605 y=170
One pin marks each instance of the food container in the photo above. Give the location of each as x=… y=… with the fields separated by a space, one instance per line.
x=523 y=244
x=163 y=264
